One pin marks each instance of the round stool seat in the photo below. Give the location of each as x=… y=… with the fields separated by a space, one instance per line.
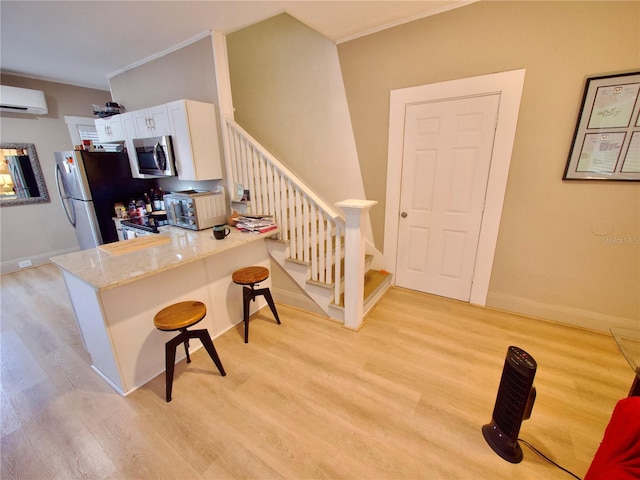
x=180 y=315
x=250 y=275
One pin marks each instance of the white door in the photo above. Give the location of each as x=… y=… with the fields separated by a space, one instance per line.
x=445 y=168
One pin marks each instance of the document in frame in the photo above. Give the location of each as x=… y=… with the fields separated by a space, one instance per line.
x=600 y=152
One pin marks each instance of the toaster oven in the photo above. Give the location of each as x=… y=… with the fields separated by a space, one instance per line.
x=195 y=210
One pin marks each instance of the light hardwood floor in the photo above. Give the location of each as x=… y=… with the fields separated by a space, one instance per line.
x=403 y=398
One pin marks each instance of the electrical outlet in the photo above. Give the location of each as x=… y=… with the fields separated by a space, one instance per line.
x=25 y=263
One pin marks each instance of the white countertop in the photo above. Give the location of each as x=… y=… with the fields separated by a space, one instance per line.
x=103 y=270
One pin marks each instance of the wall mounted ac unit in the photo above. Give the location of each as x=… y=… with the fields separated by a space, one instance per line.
x=22 y=100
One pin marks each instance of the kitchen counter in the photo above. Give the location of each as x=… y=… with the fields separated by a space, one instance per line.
x=103 y=270
x=116 y=296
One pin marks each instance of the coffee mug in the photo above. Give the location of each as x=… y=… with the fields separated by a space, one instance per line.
x=220 y=232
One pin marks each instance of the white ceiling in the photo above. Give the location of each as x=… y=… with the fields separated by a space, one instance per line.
x=82 y=42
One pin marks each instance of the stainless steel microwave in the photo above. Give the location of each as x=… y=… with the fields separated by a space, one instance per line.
x=154 y=156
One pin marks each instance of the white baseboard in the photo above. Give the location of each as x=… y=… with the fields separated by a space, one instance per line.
x=599 y=322
x=13 y=265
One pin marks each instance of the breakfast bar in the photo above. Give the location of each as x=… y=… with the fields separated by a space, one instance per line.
x=116 y=289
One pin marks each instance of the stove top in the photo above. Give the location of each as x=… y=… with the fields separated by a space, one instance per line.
x=148 y=223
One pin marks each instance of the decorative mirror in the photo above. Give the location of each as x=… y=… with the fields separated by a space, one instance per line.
x=21 y=180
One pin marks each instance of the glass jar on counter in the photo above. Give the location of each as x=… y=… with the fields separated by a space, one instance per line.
x=133 y=209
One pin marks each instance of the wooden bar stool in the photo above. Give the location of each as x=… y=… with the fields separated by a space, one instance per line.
x=181 y=316
x=249 y=277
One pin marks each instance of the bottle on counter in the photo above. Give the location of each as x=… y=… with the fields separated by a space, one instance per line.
x=156 y=200
x=147 y=203
x=161 y=197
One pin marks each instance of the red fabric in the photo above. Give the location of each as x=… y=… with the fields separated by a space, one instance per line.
x=618 y=457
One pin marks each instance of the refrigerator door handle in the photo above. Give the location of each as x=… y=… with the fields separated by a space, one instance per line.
x=60 y=180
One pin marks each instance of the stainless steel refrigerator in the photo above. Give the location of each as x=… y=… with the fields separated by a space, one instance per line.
x=90 y=184
x=24 y=181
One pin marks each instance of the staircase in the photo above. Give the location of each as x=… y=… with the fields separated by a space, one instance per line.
x=315 y=245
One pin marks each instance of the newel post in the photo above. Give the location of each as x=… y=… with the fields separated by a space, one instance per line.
x=354 y=255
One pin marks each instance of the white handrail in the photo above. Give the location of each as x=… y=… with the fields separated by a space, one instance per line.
x=235 y=132
x=314 y=230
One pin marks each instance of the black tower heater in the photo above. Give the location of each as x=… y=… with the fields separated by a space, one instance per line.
x=514 y=402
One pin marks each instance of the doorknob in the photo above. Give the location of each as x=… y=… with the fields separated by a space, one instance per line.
x=403 y=214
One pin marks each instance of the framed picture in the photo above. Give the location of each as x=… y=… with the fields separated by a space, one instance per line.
x=606 y=143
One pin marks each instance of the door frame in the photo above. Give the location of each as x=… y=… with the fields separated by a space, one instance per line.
x=509 y=85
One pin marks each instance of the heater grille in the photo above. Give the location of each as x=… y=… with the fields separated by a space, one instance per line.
x=514 y=402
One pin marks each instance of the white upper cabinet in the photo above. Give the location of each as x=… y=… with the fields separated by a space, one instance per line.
x=196 y=146
x=144 y=123
x=150 y=122
x=130 y=133
x=193 y=127
x=110 y=129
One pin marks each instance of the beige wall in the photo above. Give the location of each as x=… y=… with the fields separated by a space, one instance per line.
x=288 y=94
x=552 y=259
x=184 y=73
x=41 y=230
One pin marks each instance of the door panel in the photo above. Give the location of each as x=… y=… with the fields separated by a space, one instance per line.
x=417 y=237
x=446 y=160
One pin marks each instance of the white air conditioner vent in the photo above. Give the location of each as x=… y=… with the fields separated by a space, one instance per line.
x=22 y=100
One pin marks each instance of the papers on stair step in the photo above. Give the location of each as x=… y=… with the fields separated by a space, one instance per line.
x=256 y=223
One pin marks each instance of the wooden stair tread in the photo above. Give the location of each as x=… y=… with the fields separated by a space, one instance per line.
x=372 y=280
x=332 y=275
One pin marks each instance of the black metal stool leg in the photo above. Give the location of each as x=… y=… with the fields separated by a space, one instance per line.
x=267 y=294
x=205 y=338
x=180 y=316
x=247 y=296
x=186 y=344
x=170 y=355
